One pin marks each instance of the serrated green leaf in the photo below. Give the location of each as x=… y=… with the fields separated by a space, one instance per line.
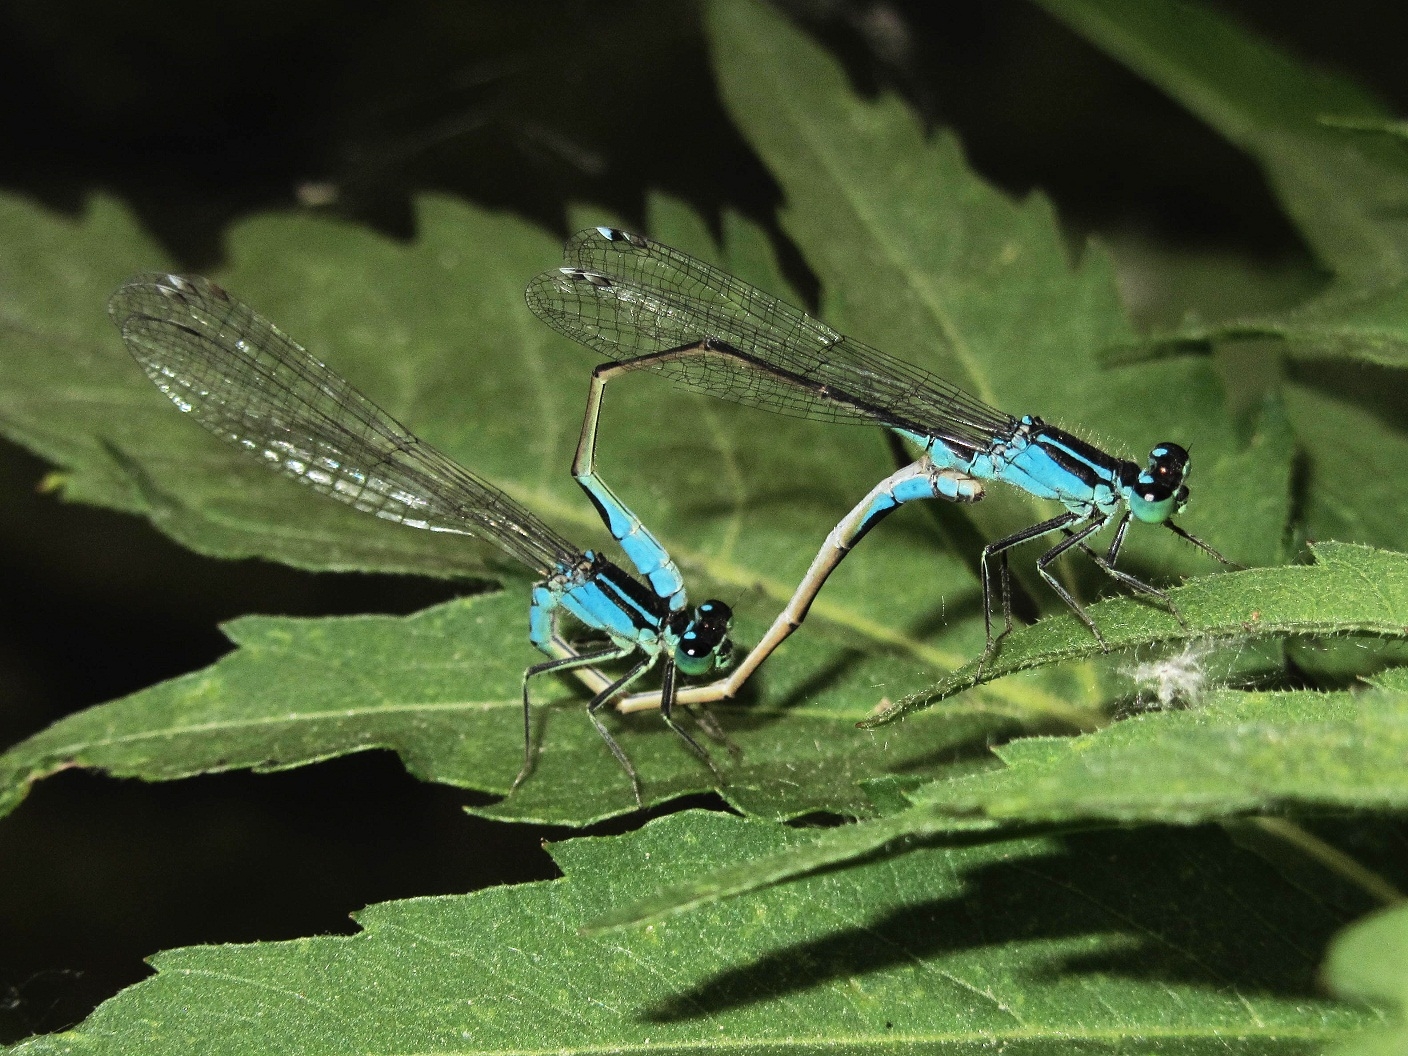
x=1349 y=590
x=1369 y=962
x=511 y=417
x=1347 y=321
x=1168 y=287
x=1231 y=753
x=1344 y=193
x=1033 y=946
x=387 y=315
x=442 y=689
x=436 y=331
x=922 y=259
x=982 y=294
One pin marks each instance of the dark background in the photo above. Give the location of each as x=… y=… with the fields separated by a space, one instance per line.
x=197 y=115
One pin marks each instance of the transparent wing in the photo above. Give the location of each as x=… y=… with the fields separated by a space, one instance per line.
x=627 y=296
x=244 y=380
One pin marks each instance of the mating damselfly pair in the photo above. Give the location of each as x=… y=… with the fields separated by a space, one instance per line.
x=645 y=306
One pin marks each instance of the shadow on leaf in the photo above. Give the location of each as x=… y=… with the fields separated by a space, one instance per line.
x=1109 y=903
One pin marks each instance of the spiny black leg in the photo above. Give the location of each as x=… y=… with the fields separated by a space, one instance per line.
x=1112 y=555
x=1107 y=564
x=1000 y=548
x=1200 y=544
x=1135 y=583
x=1004 y=572
x=601 y=698
x=1116 y=543
x=1056 y=551
x=667 y=703
x=562 y=663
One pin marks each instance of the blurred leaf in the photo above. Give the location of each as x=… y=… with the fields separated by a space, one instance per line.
x=1369 y=962
x=1349 y=590
x=1049 y=947
x=1346 y=194
x=1234 y=753
x=1353 y=484
x=1396 y=129
x=1348 y=322
x=1166 y=287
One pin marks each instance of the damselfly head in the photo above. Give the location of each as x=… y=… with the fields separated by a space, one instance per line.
x=1158 y=492
x=704 y=644
x=1168 y=464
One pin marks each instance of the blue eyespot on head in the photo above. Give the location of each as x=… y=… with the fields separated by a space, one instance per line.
x=1168 y=464
x=1158 y=492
